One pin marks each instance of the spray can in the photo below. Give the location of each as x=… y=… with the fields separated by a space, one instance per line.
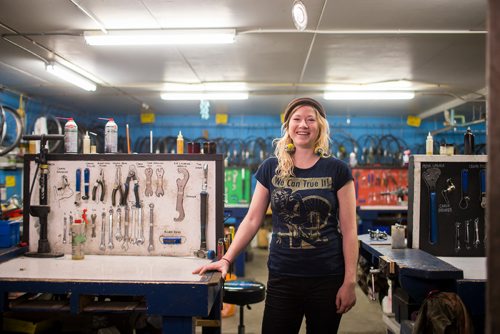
x=429 y=145
x=180 y=143
x=110 y=136
x=468 y=142
x=71 y=136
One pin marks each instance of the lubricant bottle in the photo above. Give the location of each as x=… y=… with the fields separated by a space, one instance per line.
x=110 y=136
x=429 y=145
x=70 y=136
x=86 y=143
x=77 y=240
x=180 y=143
x=468 y=142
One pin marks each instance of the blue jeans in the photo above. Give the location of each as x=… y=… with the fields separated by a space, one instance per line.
x=289 y=299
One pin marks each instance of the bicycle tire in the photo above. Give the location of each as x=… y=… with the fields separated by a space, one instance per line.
x=19 y=128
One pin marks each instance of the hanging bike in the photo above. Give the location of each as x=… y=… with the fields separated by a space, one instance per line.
x=11 y=129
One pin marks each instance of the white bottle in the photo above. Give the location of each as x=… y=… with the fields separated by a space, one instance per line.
x=86 y=143
x=71 y=136
x=110 y=136
x=429 y=145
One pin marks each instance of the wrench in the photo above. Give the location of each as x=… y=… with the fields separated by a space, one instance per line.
x=102 y=246
x=149 y=182
x=476 y=228
x=65 y=229
x=151 y=246
x=126 y=236
x=181 y=185
x=140 y=225
x=132 y=226
x=110 y=232
x=467 y=234
x=457 y=237
x=159 y=182
x=118 y=235
x=93 y=217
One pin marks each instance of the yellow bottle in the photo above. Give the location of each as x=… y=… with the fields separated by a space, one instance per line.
x=78 y=240
x=180 y=143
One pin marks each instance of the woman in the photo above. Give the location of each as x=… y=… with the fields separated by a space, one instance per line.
x=314 y=250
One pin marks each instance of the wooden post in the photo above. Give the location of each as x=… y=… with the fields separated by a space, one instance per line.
x=493 y=178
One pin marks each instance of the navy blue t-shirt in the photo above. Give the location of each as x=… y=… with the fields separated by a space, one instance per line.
x=306 y=240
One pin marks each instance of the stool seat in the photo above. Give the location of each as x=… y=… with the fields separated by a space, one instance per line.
x=243 y=292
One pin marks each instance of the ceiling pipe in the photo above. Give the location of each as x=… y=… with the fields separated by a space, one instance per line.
x=453 y=103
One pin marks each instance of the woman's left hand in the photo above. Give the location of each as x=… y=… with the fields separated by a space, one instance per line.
x=346 y=297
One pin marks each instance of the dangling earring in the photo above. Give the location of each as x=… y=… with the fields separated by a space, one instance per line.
x=319 y=151
x=290 y=148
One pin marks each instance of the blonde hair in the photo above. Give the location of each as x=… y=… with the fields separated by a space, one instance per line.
x=285 y=161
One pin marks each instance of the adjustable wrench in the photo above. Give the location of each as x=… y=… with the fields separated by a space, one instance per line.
x=110 y=232
x=181 y=185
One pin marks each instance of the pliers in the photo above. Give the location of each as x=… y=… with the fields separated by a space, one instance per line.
x=132 y=175
x=117 y=187
x=99 y=183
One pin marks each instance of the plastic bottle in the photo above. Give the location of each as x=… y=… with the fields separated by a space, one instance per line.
x=77 y=240
x=180 y=143
x=429 y=145
x=86 y=143
x=110 y=136
x=468 y=142
x=71 y=136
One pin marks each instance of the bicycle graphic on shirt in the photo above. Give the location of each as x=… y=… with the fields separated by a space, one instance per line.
x=304 y=218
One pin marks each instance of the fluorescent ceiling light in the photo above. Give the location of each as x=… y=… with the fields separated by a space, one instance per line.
x=161 y=37
x=70 y=76
x=189 y=96
x=366 y=95
x=377 y=86
x=206 y=87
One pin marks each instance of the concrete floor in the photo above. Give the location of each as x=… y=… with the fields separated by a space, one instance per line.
x=365 y=316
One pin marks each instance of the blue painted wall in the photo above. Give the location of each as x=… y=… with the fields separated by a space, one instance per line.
x=244 y=127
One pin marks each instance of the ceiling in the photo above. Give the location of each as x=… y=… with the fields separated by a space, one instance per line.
x=269 y=54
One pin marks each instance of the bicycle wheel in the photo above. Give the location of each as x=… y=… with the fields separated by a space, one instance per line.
x=8 y=138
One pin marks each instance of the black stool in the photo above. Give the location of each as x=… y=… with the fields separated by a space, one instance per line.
x=243 y=293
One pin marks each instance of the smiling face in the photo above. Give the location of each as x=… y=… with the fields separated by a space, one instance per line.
x=303 y=127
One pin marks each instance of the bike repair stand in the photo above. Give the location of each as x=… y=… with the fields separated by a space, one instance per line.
x=42 y=210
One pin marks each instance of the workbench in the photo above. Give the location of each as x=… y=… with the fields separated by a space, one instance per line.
x=166 y=283
x=417 y=272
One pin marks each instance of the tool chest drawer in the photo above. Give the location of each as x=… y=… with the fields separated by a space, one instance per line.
x=145 y=204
